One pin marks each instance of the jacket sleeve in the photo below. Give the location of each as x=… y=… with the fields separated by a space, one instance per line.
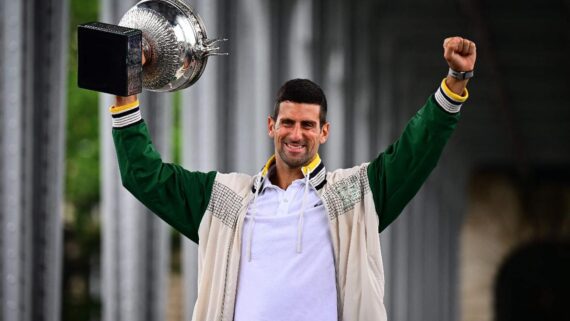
x=178 y=196
x=397 y=174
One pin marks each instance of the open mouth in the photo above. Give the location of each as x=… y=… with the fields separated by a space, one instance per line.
x=294 y=147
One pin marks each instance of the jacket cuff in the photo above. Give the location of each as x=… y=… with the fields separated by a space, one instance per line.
x=448 y=100
x=126 y=115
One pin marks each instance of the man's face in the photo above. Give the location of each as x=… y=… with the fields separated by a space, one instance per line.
x=297 y=133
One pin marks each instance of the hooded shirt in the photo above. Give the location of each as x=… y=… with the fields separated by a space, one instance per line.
x=288 y=270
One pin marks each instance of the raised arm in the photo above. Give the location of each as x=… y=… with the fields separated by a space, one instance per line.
x=178 y=196
x=397 y=174
x=460 y=55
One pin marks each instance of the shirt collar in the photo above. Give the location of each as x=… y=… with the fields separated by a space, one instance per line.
x=315 y=170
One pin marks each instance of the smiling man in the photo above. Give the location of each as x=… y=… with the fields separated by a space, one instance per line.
x=298 y=126
x=294 y=242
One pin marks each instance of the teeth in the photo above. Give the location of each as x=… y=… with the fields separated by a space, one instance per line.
x=294 y=145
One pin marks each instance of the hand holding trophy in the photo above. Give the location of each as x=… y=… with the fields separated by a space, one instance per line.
x=160 y=45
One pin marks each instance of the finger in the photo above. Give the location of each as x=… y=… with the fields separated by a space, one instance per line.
x=461 y=45
x=466 y=46
x=472 y=48
x=451 y=42
x=457 y=44
x=449 y=46
x=446 y=47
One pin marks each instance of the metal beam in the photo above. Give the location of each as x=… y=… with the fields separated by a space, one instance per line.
x=33 y=84
x=136 y=250
x=11 y=89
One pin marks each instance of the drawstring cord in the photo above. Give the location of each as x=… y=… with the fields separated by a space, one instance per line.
x=257 y=188
x=301 y=217
x=300 y=222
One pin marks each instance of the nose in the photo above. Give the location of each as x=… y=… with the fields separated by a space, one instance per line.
x=296 y=133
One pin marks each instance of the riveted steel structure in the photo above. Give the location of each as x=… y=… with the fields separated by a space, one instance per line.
x=32 y=91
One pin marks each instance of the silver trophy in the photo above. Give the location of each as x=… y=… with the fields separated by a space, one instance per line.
x=170 y=35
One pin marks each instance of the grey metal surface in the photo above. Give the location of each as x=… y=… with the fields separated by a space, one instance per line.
x=251 y=99
x=136 y=251
x=44 y=150
x=11 y=29
x=33 y=85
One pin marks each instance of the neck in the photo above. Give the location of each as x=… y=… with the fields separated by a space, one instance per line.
x=283 y=176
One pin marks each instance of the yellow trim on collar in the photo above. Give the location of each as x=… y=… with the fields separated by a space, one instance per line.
x=305 y=169
x=268 y=165
x=118 y=109
x=453 y=95
x=312 y=165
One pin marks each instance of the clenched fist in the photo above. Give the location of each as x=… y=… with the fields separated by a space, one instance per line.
x=460 y=53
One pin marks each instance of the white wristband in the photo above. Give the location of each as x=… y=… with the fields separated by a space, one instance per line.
x=461 y=75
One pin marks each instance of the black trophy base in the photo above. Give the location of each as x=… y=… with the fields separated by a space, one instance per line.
x=109 y=59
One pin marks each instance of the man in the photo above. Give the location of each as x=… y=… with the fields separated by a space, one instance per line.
x=293 y=242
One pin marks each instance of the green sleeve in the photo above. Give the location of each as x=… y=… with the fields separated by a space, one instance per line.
x=397 y=174
x=178 y=196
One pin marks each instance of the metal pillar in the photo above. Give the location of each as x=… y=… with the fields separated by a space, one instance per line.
x=33 y=92
x=253 y=98
x=11 y=267
x=300 y=41
x=136 y=251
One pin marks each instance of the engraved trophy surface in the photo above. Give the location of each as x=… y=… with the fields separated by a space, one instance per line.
x=169 y=33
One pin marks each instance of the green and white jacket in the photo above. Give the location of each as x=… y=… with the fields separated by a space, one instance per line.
x=209 y=208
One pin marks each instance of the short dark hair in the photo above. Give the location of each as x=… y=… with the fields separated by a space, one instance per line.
x=302 y=91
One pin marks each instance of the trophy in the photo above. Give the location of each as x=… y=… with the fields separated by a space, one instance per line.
x=160 y=45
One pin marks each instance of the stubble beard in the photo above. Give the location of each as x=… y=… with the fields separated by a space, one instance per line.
x=294 y=162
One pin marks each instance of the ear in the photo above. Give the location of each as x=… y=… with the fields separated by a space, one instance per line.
x=270 y=126
x=324 y=133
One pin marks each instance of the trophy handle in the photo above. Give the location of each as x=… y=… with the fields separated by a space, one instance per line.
x=208 y=48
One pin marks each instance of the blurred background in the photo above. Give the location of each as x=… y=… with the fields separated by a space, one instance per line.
x=75 y=246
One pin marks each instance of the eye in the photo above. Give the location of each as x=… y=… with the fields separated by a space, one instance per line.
x=287 y=123
x=308 y=124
